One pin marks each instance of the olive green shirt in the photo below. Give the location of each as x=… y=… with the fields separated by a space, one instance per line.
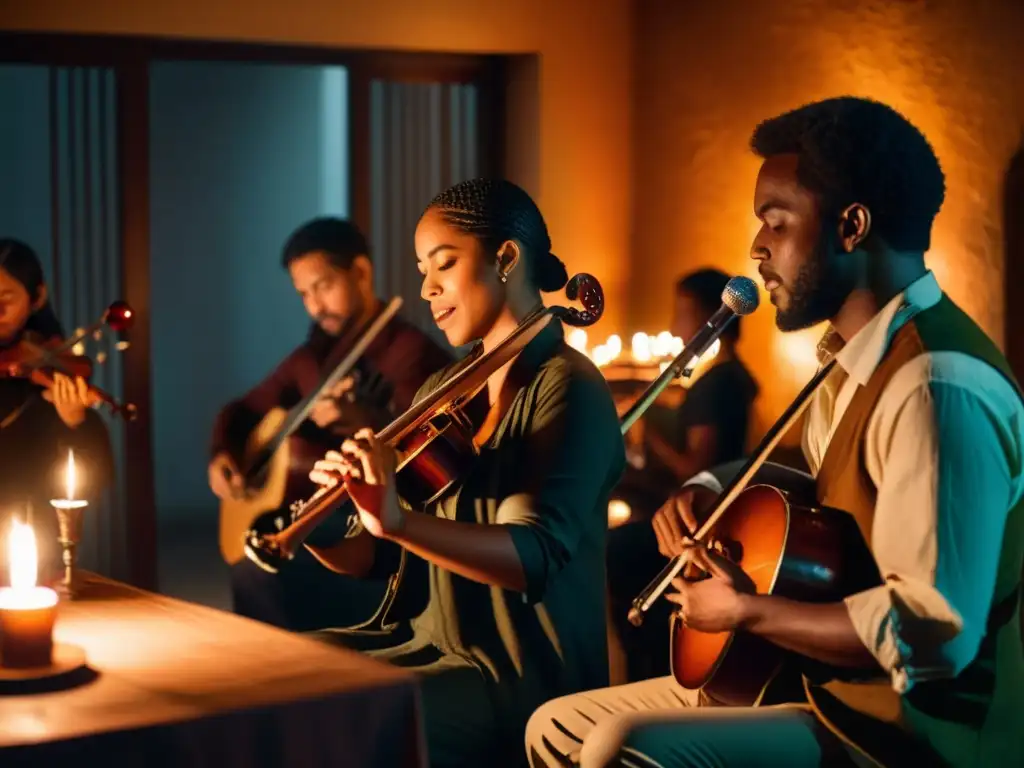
x=546 y=474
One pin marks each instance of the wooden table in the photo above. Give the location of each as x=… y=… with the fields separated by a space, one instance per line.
x=181 y=684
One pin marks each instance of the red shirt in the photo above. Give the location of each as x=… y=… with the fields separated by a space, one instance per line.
x=390 y=372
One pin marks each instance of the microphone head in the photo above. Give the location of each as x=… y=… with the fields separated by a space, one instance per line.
x=741 y=296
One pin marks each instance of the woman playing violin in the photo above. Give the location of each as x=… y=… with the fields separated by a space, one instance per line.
x=513 y=554
x=39 y=425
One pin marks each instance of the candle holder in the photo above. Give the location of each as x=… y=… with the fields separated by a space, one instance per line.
x=30 y=660
x=69 y=521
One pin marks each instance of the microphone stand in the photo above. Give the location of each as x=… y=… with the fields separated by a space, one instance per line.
x=681 y=365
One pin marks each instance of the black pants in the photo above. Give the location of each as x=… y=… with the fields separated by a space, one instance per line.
x=304 y=595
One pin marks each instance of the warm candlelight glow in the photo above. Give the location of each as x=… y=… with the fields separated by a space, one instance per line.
x=662 y=345
x=69 y=477
x=641 y=347
x=800 y=350
x=27 y=611
x=22 y=556
x=23 y=562
x=614 y=345
x=577 y=339
x=619 y=512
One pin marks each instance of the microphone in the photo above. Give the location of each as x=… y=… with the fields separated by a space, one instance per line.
x=740 y=297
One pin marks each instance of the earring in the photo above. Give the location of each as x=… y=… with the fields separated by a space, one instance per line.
x=504 y=277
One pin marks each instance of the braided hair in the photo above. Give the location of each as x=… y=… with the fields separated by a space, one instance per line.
x=495 y=211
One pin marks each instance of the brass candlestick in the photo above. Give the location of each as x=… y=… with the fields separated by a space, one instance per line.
x=69 y=520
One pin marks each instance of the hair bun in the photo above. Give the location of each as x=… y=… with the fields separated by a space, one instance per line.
x=551 y=274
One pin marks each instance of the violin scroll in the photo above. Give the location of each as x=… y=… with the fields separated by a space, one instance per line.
x=588 y=291
x=119 y=316
x=36 y=358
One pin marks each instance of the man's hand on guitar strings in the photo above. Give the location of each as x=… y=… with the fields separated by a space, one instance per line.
x=714 y=604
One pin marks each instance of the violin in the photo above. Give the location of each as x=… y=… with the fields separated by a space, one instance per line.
x=37 y=358
x=434 y=439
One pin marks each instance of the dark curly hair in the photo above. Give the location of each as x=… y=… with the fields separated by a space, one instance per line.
x=496 y=210
x=21 y=262
x=340 y=239
x=854 y=150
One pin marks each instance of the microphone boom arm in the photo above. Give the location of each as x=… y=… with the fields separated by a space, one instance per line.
x=700 y=343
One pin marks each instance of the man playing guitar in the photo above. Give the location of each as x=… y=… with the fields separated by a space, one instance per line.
x=328 y=261
x=917 y=433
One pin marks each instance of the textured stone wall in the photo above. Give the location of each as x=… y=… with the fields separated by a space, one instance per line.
x=706 y=73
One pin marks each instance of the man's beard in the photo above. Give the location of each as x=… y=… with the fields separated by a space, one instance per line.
x=817 y=293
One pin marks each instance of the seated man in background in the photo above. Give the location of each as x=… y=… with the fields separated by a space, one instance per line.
x=329 y=265
x=711 y=428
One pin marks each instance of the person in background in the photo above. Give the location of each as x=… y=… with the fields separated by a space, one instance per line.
x=712 y=421
x=329 y=265
x=710 y=429
x=40 y=425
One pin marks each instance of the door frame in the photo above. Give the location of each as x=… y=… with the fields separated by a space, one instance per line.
x=129 y=56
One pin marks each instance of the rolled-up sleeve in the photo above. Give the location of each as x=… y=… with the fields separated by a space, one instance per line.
x=572 y=455
x=943 y=448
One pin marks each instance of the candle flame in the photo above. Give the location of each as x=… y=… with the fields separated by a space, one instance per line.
x=577 y=339
x=21 y=556
x=641 y=347
x=70 y=476
x=619 y=512
x=662 y=344
x=614 y=345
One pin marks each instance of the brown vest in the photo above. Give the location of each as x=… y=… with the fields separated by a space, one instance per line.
x=974 y=719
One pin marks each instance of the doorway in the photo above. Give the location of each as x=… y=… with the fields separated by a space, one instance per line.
x=240 y=155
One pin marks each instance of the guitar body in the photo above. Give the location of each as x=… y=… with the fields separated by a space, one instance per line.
x=285 y=477
x=793 y=550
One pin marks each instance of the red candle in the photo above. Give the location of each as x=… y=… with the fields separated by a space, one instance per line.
x=27 y=611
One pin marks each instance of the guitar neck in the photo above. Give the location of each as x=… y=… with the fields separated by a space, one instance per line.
x=298 y=413
x=767 y=445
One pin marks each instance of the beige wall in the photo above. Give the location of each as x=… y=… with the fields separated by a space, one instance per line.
x=583 y=179
x=706 y=73
x=644 y=119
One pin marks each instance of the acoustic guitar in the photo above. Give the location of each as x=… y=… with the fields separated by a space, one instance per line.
x=787 y=545
x=277 y=458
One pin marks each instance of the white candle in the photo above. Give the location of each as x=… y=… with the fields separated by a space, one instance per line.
x=27 y=611
x=69 y=477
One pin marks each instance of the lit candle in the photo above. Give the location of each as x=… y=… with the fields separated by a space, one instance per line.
x=69 y=477
x=577 y=339
x=614 y=346
x=619 y=513
x=662 y=344
x=69 y=521
x=27 y=611
x=641 y=347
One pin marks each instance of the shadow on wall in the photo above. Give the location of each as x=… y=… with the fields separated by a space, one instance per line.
x=1013 y=254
